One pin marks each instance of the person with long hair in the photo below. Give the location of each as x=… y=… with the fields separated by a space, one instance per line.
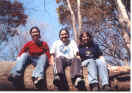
x=91 y=57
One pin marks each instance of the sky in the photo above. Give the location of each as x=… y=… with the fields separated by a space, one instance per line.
x=42 y=13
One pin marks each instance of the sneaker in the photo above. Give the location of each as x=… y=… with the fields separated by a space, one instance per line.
x=57 y=80
x=94 y=87
x=106 y=88
x=37 y=81
x=77 y=81
x=80 y=84
x=17 y=82
x=12 y=78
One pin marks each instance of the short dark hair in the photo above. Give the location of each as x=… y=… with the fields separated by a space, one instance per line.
x=34 y=27
x=65 y=30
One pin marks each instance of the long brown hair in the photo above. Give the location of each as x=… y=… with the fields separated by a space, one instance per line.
x=90 y=42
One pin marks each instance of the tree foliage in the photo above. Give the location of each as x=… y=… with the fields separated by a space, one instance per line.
x=11 y=16
x=101 y=19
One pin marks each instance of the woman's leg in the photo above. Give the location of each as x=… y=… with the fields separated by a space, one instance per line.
x=92 y=71
x=103 y=71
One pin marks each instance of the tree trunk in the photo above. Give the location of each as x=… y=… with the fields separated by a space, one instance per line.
x=125 y=23
x=79 y=17
x=73 y=21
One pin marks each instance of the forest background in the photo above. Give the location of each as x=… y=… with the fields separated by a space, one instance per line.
x=107 y=20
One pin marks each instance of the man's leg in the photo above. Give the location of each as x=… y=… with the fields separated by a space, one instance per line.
x=16 y=74
x=59 y=74
x=59 y=65
x=76 y=74
x=38 y=72
x=103 y=73
x=21 y=63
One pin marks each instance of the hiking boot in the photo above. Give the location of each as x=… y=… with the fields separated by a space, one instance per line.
x=94 y=87
x=106 y=88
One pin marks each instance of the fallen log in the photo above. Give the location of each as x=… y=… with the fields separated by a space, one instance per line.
x=119 y=77
x=5 y=85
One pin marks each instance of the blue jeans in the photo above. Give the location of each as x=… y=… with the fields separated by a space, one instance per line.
x=96 y=68
x=24 y=60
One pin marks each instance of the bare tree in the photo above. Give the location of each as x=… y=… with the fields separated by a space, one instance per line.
x=73 y=21
x=79 y=17
x=125 y=23
x=100 y=19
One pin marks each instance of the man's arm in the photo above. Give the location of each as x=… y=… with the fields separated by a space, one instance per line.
x=52 y=60
x=47 y=51
x=78 y=56
x=24 y=49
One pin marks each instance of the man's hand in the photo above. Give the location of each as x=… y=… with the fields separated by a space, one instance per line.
x=51 y=60
x=78 y=57
x=51 y=63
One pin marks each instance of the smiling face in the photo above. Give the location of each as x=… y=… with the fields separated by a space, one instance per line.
x=35 y=34
x=85 y=38
x=64 y=37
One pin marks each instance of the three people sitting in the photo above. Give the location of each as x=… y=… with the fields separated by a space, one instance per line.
x=63 y=53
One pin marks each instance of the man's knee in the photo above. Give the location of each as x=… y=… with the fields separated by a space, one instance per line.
x=23 y=56
x=44 y=56
x=76 y=59
x=59 y=59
